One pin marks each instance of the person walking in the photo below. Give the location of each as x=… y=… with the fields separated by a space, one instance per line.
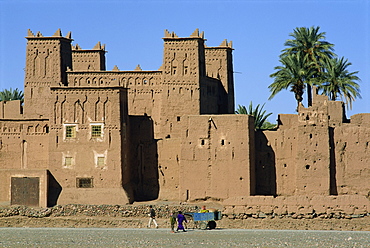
x=180 y=219
x=173 y=221
x=152 y=217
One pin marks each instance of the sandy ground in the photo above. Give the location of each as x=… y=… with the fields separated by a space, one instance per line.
x=128 y=237
x=355 y=224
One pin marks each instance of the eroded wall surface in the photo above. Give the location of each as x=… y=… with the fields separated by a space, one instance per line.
x=24 y=152
x=316 y=152
x=99 y=156
x=93 y=136
x=217 y=160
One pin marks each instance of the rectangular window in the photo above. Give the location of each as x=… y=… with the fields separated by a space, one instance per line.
x=70 y=132
x=101 y=161
x=68 y=161
x=96 y=131
x=84 y=182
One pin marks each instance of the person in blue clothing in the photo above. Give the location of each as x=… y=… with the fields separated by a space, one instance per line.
x=180 y=219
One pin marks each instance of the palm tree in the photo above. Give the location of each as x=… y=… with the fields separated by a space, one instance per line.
x=9 y=95
x=260 y=116
x=241 y=110
x=293 y=74
x=338 y=81
x=268 y=125
x=308 y=45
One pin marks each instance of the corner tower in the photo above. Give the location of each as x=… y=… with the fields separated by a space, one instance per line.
x=219 y=65
x=89 y=60
x=183 y=70
x=47 y=60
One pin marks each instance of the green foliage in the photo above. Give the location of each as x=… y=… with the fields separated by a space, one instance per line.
x=260 y=116
x=241 y=110
x=9 y=95
x=337 y=81
x=294 y=74
x=309 y=44
x=309 y=60
x=268 y=125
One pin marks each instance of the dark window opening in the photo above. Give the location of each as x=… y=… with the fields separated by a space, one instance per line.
x=84 y=182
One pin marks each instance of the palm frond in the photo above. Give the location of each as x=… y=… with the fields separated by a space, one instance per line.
x=260 y=116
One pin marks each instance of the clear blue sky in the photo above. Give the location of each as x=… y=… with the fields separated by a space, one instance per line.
x=133 y=32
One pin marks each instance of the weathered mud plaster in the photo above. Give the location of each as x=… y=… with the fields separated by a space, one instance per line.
x=92 y=136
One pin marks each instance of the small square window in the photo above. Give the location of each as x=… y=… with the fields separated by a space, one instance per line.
x=101 y=161
x=68 y=161
x=70 y=132
x=95 y=131
x=84 y=182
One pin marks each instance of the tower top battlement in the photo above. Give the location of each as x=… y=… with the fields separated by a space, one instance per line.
x=173 y=35
x=57 y=34
x=195 y=35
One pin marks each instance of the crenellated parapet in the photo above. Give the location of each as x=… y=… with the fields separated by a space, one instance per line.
x=195 y=34
x=58 y=34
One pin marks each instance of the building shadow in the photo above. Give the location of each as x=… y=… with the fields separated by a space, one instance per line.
x=265 y=166
x=143 y=159
x=333 y=165
x=54 y=190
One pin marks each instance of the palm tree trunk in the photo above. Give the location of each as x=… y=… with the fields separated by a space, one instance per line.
x=309 y=95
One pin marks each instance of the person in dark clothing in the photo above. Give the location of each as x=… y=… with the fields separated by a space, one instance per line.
x=152 y=217
x=180 y=219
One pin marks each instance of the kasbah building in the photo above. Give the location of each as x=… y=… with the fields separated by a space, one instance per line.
x=85 y=135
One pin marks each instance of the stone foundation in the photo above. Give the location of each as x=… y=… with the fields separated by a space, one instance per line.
x=325 y=207
x=297 y=207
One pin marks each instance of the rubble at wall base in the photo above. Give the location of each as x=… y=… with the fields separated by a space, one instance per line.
x=298 y=207
x=289 y=207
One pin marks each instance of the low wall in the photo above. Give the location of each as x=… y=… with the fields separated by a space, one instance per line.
x=129 y=211
x=297 y=207
x=250 y=207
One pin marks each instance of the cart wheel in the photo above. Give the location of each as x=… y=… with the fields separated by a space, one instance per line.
x=203 y=225
x=212 y=224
